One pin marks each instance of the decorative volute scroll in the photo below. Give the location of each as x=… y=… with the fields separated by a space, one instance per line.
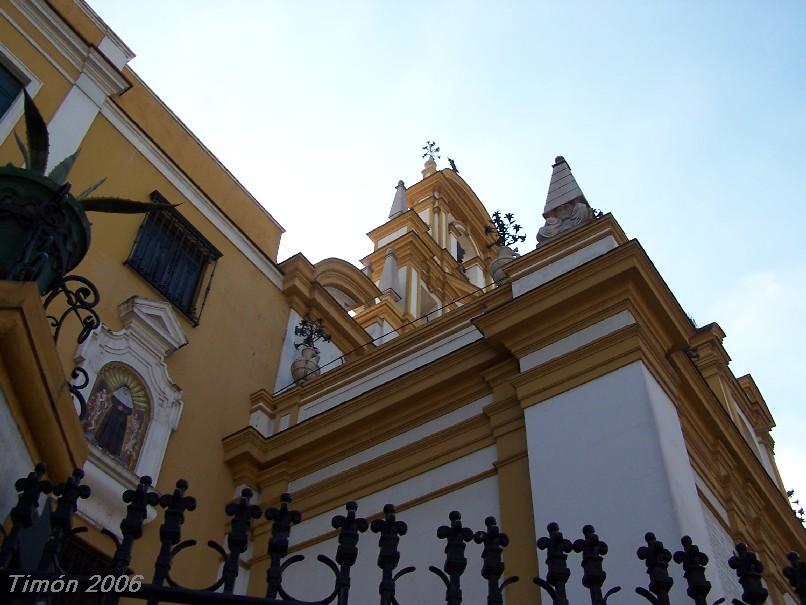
x=566 y=206
x=133 y=406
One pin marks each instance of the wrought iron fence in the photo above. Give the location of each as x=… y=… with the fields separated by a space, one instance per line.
x=49 y=578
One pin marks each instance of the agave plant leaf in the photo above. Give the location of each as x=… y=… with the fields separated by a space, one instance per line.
x=121 y=206
x=90 y=189
x=23 y=150
x=62 y=169
x=37 y=133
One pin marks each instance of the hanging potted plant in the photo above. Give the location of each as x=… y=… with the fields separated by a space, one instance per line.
x=44 y=231
x=306 y=366
x=507 y=230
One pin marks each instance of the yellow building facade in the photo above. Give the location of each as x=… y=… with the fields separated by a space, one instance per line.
x=565 y=384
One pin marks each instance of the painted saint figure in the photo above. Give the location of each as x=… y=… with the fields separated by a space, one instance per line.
x=112 y=430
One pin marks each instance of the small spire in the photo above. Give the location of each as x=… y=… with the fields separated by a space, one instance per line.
x=399 y=204
x=563 y=187
x=389 y=280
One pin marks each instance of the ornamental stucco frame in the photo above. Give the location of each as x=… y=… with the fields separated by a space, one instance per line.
x=150 y=334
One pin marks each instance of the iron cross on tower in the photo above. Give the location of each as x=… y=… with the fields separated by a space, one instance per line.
x=431 y=149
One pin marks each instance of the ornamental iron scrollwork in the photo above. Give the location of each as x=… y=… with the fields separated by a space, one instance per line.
x=81 y=297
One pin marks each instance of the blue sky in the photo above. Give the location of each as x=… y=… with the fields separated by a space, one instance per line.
x=686 y=120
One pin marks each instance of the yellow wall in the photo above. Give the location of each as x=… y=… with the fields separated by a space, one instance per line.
x=234 y=349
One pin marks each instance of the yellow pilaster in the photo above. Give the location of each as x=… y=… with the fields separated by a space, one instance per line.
x=515 y=492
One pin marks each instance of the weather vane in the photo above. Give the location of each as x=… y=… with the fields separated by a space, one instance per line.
x=431 y=149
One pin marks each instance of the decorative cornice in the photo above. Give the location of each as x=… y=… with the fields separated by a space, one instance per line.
x=104 y=74
x=63 y=38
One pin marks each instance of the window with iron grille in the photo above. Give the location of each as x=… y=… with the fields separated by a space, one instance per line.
x=10 y=87
x=175 y=258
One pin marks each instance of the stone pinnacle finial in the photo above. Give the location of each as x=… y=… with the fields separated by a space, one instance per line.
x=566 y=206
x=389 y=278
x=399 y=204
x=563 y=187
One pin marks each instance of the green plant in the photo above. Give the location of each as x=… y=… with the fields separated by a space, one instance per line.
x=35 y=159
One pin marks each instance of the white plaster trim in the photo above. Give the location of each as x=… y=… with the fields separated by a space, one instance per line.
x=105 y=509
x=185 y=187
x=391 y=237
x=154 y=321
x=398 y=441
x=576 y=340
x=72 y=120
x=421 y=485
x=31 y=82
x=103 y=74
x=391 y=371
x=115 y=50
x=563 y=265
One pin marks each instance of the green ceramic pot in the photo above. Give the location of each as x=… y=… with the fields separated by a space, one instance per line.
x=44 y=232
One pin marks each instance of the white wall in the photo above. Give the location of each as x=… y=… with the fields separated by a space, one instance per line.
x=420 y=547
x=611 y=453
x=15 y=462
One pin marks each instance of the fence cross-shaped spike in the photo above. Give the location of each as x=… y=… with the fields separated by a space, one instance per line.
x=242 y=513
x=492 y=569
x=455 y=561
x=22 y=515
x=593 y=551
x=557 y=549
x=131 y=527
x=349 y=526
x=282 y=519
x=694 y=562
x=175 y=505
x=61 y=519
x=656 y=557
x=748 y=570
x=390 y=530
x=795 y=572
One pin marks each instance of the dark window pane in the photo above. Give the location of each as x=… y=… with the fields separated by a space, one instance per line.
x=10 y=87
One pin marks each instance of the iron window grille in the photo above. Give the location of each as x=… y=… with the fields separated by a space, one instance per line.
x=177 y=260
